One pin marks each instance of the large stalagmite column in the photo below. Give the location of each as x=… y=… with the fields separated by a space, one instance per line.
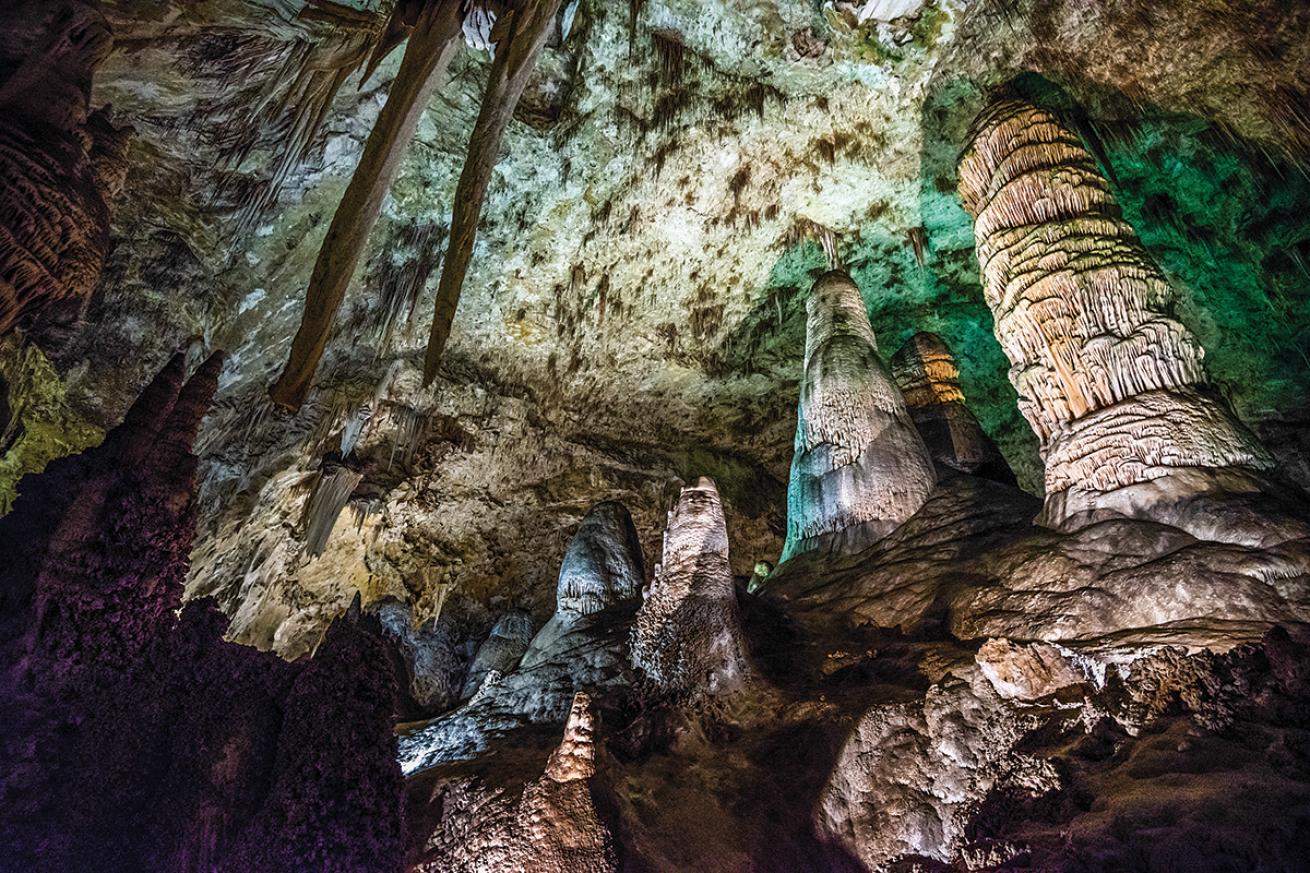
x=1112 y=385
x=61 y=168
x=688 y=640
x=860 y=467
x=928 y=376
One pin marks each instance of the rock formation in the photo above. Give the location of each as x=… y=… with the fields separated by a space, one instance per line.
x=434 y=665
x=602 y=567
x=584 y=645
x=1110 y=382
x=929 y=379
x=61 y=168
x=554 y=827
x=435 y=30
x=531 y=24
x=687 y=640
x=435 y=37
x=859 y=468
x=121 y=705
x=501 y=651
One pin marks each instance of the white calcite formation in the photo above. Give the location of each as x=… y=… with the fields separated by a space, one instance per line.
x=860 y=468
x=1112 y=385
x=501 y=651
x=929 y=378
x=688 y=640
x=602 y=567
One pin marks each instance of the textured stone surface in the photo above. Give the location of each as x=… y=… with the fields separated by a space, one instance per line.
x=929 y=379
x=633 y=318
x=139 y=739
x=554 y=827
x=61 y=167
x=860 y=467
x=501 y=651
x=687 y=640
x=1110 y=382
x=434 y=663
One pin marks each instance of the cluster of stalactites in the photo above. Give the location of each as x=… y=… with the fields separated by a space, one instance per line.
x=1082 y=313
x=687 y=640
x=859 y=468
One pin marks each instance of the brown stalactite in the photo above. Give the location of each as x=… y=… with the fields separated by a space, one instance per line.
x=515 y=59
x=431 y=47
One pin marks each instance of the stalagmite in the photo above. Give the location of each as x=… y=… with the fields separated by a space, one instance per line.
x=927 y=374
x=687 y=640
x=516 y=56
x=501 y=651
x=557 y=818
x=433 y=662
x=123 y=700
x=860 y=468
x=61 y=168
x=96 y=546
x=602 y=567
x=554 y=827
x=432 y=44
x=1110 y=382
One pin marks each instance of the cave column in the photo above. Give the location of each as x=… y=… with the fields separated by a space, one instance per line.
x=929 y=378
x=1110 y=382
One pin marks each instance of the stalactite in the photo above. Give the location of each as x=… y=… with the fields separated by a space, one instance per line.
x=330 y=493
x=859 y=467
x=411 y=427
x=354 y=429
x=929 y=378
x=531 y=26
x=291 y=108
x=431 y=46
x=687 y=640
x=918 y=238
x=804 y=230
x=400 y=283
x=1110 y=382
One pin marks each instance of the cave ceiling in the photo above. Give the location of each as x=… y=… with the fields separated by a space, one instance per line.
x=675 y=177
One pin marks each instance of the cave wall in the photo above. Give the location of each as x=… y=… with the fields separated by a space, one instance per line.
x=667 y=194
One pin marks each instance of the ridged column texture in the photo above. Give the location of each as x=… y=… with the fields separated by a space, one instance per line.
x=859 y=468
x=1110 y=382
x=61 y=167
x=929 y=378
